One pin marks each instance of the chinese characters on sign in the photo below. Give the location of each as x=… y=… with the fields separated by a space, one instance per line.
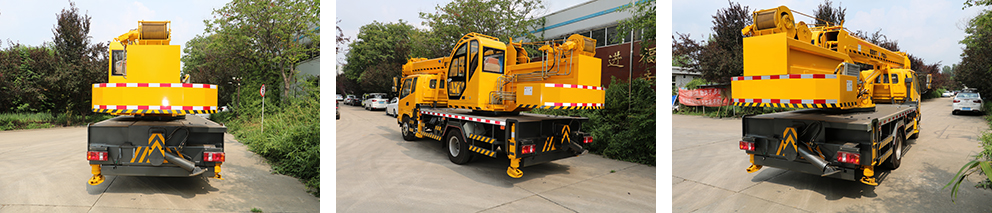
x=649 y=57
x=615 y=59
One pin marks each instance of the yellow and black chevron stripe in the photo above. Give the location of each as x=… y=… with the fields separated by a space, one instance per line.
x=153 y=111
x=481 y=138
x=429 y=135
x=744 y=104
x=463 y=107
x=482 y=151
x=531 y=106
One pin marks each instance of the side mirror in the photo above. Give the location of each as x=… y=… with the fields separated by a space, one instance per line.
x=395 y=80
x=929 y=77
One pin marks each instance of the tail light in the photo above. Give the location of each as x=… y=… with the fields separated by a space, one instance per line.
x=527 y=149
x=978 y=101
x=956 y=101
x=213 y=156
x=847 y=157
x=587 y=139
x=96 y=155
x=748 y=146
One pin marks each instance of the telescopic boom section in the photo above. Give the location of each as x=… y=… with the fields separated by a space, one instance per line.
x=144 y=77
x=788 y=64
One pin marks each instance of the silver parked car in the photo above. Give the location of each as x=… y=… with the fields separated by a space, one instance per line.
x=967 y=101
x=391 y=108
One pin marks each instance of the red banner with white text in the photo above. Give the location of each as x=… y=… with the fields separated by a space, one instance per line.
x=710 y=97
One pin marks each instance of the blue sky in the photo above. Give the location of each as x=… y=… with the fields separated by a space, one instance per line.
x=31 y=22
x=929 y=29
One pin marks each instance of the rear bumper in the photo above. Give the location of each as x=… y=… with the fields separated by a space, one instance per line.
x=804 y=167
x=153 y=171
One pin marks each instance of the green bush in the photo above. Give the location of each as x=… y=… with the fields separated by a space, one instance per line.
x=291 y=137
x=625 y=128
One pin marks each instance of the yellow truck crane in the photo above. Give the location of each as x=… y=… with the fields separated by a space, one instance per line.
x=863 y=100
x=472 y=100
x=152 y=136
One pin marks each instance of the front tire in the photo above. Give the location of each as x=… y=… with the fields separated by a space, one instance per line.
x=458 y=151
x=407 y=129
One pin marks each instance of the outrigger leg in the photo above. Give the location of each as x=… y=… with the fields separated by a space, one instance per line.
x=869 y=176
x=97 y=177
x=514 y=169
x=753 y=168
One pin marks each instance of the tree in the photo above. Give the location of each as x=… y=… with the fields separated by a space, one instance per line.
x=210 y=59
x=80 y=64
x=273 y=32
x=826 y=12
x=975 y=71
x=503 y=19
x=378 y=54
x=722 y=56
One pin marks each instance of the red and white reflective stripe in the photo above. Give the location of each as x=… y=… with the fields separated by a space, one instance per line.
x=211 y=86
x=573 y=104
x=788 y=101
x=900 y=115
x=789 y=76
x=155 y=107
x=501 y=123
x=572 y=86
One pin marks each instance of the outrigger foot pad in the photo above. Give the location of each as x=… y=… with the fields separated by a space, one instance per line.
x=514 y=172
x=753 y=168
x=96 y=180
x=869 y=181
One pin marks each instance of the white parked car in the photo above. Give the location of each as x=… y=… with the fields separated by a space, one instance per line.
x=374 y=101
x=391 y=108
x=947 y=94
x=967 y=101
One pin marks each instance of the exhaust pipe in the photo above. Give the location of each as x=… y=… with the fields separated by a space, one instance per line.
x=819 y=162
x=185 y=164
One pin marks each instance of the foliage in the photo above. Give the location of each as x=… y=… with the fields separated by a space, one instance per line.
x=212 y=59
x=625 y=128
x=503 y=19
x=276 y=34
x=291 y=140
x=55 y=77
x=643 y=19
x=826 y=12
x=722 y=56
x=982 y=164
x=696 y=82
x=378 y=54
x=975 y=68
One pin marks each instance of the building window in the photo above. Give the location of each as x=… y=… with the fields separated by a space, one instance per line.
x=600 y=36
x=611 y=34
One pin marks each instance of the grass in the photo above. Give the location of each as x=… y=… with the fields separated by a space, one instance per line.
x=727 y=111
x=13 y=121
x=291 y=140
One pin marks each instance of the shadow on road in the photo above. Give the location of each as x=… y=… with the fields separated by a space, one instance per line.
x=481 y=169
x=185 y=187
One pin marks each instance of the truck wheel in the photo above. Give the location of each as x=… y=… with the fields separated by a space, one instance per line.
x=407 y=129
x=896 y=158
x=458 y=151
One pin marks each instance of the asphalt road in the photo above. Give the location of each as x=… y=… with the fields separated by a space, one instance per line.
x=377 y=171
x=708 y=172
x=45 y=170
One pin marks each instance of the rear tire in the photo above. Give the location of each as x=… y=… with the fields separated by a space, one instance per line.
x=458 y=151
x=896 y=158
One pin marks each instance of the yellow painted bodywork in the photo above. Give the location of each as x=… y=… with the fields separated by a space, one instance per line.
x=775 y=45
x=149 y=59
x=571 y=62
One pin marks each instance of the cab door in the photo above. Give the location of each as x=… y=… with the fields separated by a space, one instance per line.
x=408 y=98
x=463 y=64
